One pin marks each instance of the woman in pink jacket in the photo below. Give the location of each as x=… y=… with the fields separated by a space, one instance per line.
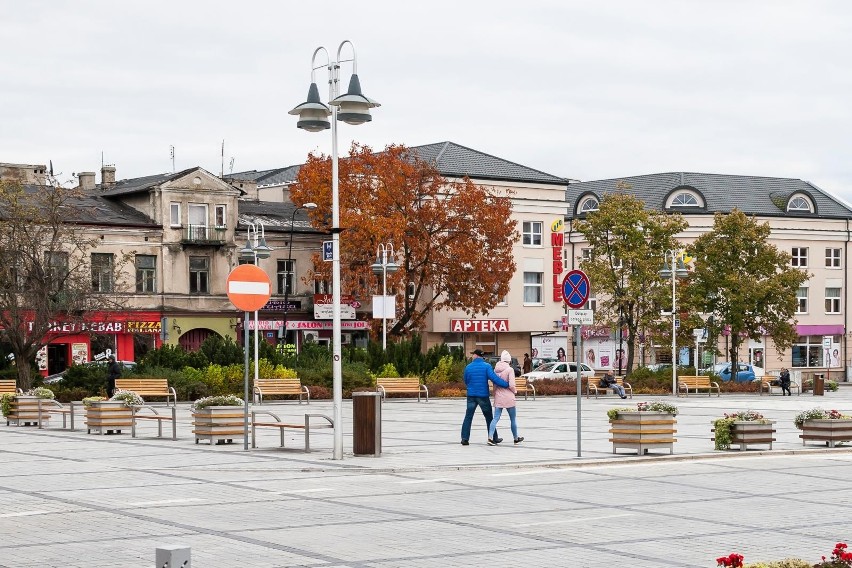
x=504 y=398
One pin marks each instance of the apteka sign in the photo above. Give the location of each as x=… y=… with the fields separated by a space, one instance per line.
x=479 y=326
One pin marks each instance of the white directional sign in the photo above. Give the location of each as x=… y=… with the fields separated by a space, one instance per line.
x=581 y=317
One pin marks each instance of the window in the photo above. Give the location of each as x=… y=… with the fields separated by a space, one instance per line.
x=832 y=258
x=220 y=216
x=532 y=233
x=146 y=273
x=808 y=351
x=586 y=254
x=285 y=276
x=102 y=272
x=802 y=301
x=57 y=267
x=199 y=275
x=684 y=200
x=799 y=203
x=800 y=257
x=322 y=287
x=411 y=290
x=174 y=211
x=832 y=300
x=533 y=289
x=591 y=303
x=588 y=205
x=197 y=214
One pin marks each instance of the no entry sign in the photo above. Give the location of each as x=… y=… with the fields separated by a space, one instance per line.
x=576 y=289
x=248 y=287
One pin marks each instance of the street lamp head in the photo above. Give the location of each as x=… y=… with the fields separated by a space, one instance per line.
x=377 y=266
x=354 y=107
x=391 y=266
x=263 y=250
x=313 y=113
x=309 y=205
x=247 y=251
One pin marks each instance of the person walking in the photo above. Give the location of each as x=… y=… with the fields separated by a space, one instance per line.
x=784 y=378
x=527 y=364
x=504 y=398
x=476 y=376
x=113 y=372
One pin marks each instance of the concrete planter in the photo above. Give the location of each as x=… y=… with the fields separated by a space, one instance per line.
x=24 y=412
x=108 y=417
x=219 y=424
x=643 y=431
x=751 y=432
x=826 y=430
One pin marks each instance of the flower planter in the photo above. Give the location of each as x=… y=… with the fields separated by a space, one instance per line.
x=750 y=432
x=643 y=431
x=108 y=417
x=24 y=412
x=826 y=430
x=219 y=424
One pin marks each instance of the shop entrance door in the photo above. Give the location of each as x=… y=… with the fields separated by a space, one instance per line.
x=57 y=358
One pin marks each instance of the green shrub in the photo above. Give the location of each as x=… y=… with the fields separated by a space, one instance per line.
x=388 y=370
x=91 y=377
x=448 y=369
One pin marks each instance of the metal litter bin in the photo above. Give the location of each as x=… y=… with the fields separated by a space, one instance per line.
x=367 y=424
x=819 y=384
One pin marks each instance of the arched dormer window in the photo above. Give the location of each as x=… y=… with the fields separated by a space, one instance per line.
x=800 y=203
x=684 y=200
x=588 y=205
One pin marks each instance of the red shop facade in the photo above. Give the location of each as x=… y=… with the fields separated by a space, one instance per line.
x=126 y=335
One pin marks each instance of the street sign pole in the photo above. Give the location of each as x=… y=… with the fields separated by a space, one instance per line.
x=578 y=336
x=245 y=380
x=576 y=289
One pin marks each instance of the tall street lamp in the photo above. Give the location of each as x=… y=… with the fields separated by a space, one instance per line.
x=385 y=263
x=258 y=250
x=677 y=270
x=291 y=267
x=352 y=108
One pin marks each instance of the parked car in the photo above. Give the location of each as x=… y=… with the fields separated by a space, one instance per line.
x=745 y=372
x=539 y=361
x=557 y=370
x=57 y=377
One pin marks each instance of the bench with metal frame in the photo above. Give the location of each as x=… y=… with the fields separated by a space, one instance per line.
x=278 y=423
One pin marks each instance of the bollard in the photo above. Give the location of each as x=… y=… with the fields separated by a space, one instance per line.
x=177 y=556
x=367 y=424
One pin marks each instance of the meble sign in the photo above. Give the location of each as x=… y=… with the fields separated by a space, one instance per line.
x=479 y=326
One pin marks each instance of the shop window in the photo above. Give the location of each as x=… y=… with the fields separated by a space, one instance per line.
x=807 y=352
x=199 y=275
x=832 y=258
x=146 y=273
x=799 y=257
x=142 y=343
x=533 y=288
x=285 y=277
x=802 y=301
x=832 y=300
x=102 y=346
x=532 y=233
x=102 y=264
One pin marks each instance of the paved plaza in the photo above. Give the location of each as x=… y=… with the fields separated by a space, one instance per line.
x=70 y=499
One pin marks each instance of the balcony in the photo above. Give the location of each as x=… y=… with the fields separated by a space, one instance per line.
x=202 y=235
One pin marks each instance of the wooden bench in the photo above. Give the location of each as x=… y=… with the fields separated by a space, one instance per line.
x=696 y=383
x=766 y=383
x=146 y=388
x=522 y=386
x=410 y=385
x=9 y=386
x=594 y=384
x=278 y=423
x=135 y=413
x=50 y=406
x=289 y=386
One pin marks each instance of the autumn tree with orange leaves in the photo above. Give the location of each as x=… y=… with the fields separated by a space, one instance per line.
x=453 y=238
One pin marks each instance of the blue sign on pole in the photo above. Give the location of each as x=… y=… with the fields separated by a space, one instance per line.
x=328 y=251
x=576 y=289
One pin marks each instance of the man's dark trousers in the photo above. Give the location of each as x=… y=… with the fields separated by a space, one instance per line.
x=484 y=403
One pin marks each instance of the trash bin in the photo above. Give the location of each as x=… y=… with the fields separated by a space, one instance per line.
x=367 y=424
x=819 y=384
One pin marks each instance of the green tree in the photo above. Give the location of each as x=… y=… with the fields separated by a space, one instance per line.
x=628 y=245
x=744 y=282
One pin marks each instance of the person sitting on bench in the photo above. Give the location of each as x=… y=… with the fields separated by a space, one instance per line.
x=608 y=382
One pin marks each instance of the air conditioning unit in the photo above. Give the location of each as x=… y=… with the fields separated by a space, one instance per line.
x=345 y=338
x=311 y=336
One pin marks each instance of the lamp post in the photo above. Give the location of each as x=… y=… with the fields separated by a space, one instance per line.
x=352 y=108
x=382 y=266
x=258 y=250
x=292 y=266
x=677 y=270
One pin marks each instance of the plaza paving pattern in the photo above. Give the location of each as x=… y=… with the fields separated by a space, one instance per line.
x=69 y=499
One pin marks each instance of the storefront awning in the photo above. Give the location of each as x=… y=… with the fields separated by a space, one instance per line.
x=820 y=329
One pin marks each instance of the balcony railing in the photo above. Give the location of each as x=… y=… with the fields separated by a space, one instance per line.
x=203 y=235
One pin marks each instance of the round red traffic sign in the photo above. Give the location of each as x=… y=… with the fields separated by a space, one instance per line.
x=248 y=287
x=576 y=289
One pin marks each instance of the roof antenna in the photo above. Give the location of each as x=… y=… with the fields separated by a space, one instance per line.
x=232 y=166
x=172 y=152
x=222 y=171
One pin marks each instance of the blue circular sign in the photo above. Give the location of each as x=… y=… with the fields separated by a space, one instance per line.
x=576 y=289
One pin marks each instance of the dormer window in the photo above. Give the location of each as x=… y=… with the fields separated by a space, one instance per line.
x=799 y=203
x=684 y=200
x=588 y=205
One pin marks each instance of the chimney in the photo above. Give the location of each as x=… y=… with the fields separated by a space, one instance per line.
x=86 y=180
x=107 y=177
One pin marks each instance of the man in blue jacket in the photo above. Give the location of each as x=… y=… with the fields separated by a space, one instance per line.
x=476 y=376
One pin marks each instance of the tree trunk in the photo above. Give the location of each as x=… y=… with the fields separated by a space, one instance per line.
x=24 y=374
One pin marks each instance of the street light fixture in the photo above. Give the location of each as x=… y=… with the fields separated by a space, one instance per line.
x=351 y=108
x=385 y=263
x=677 y=270
x=258 y=250
x=308 y=205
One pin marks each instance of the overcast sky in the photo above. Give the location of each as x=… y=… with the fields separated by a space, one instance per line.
x=581 y=89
